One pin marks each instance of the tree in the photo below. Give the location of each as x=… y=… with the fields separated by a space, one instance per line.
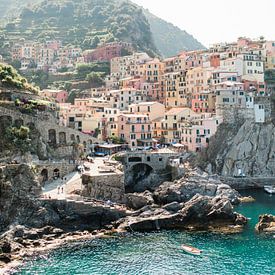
x=95 y=79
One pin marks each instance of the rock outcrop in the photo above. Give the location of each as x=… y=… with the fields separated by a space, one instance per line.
x=249 y=148
x=266 y=224
x=199 y=213
x=139 y=200
x=194 y=182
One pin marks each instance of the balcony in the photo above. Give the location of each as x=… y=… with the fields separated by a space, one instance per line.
x=138 y=122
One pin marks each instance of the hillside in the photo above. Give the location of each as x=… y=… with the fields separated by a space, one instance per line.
x=170 y=39
x=86 y=23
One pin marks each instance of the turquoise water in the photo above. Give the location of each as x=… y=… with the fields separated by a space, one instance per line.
x=159 y=253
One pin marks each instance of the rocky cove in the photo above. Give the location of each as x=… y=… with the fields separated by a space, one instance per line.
x=196 y=202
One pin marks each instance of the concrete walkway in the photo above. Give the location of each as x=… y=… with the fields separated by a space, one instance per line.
x=54 y=189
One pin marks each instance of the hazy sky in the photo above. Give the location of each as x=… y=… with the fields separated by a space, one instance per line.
x=213 y=21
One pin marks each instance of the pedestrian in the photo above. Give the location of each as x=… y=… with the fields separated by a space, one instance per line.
x=58 y=190
x=62 y=190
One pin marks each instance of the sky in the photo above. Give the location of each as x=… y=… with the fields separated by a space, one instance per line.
x=213 y=21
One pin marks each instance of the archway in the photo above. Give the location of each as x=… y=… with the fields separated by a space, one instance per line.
x=72 y=137
x=45 y=175
x=52 y=137
x=56 y=173
x=62 y=138
x=137 y=174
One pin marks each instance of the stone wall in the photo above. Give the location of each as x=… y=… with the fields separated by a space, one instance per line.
x=105 y=187
x=48 y=171
x=51 y=132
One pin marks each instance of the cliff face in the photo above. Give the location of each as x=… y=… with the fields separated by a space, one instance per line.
x=249 y=149
x=18 y=188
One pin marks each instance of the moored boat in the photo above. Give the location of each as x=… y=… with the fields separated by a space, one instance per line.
x=191 y=250
x=269 y=189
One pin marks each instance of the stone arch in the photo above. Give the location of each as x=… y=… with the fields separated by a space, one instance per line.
x=52 y=136
x=72 y=137
x=18 y=123
x=45 y=175
x=56 y=173
x=138 y=173
x=62 y=138
x=5 y=122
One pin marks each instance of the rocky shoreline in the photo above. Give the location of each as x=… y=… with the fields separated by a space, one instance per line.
x=197 y=202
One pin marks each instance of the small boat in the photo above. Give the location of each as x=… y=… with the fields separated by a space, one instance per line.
x=269 y=189
x=191 y=250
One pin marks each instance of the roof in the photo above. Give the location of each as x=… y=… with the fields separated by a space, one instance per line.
x=175 y=111
x=133 y=115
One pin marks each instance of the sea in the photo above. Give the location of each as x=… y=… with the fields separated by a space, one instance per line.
x=160 y=253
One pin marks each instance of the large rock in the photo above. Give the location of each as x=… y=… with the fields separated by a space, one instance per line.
x=139 y=200
x=199 y=213
x=266 y=224
x=248 y=146
x=195 y=182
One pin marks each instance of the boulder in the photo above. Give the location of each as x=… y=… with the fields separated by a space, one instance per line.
x=173 y=206
x=139 y=200
x=266 y=224
x=194 y=182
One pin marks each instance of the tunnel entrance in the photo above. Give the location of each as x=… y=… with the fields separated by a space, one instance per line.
x=138 y=173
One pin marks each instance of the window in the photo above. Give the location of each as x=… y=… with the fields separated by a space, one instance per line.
x=225 y=100
x=148 y=159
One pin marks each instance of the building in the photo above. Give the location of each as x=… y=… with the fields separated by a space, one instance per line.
x=196 y=131
x=59 y=96
x=136 y=130
x=171 y=124
x=153 y=110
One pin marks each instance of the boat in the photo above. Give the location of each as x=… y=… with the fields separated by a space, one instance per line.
x=269 y=189
x=191 y=250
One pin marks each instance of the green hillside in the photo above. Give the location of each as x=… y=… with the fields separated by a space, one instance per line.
x=86 y=23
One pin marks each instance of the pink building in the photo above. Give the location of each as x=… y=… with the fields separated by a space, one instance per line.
x=60 y=96
x=136 y=130
x=106 y=52
x=196 y=134
x=204 y=102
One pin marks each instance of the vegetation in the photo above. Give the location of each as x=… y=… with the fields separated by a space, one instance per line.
x=84 y=23
x=9 y=78
x=18 y=137
x=170 y=39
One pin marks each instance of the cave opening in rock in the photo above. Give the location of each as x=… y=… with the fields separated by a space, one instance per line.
x=44 y=175
x=138 y=173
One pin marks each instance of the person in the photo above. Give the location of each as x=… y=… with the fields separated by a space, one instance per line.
x=62 y=190
x=58 y=190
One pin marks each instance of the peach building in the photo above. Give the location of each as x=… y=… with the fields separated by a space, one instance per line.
x=153 y=110
x=175 y=88
x=136 y=130
x=59 y=96
x=197 y=79
x=170 y=125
